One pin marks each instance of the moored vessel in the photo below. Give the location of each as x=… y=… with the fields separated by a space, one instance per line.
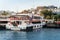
x=25 y=22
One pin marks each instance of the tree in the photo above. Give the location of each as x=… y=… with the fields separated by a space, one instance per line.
x=5 y=13
x=47 y=13
x=58 y=17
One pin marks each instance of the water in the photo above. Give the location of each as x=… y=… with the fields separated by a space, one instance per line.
x=42 y=34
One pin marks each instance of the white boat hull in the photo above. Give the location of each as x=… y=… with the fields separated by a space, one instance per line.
x=15 y=28
x=24 y=27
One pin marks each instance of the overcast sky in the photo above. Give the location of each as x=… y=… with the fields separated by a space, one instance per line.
x=19 y=5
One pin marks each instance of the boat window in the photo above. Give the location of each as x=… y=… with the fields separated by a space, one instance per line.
x=20 y=22
x=35 y=22
x=27 y=22
x=24 y=17
x=3 y=17
x=14 y=23
x=3 y=22
x=17 y=22
x=37 y=17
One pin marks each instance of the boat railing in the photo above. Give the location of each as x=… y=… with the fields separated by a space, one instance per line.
x=34 y=25
x=4 y=19
x=3 y=24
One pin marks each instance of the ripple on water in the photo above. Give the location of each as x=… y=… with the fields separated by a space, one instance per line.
x=42 y=34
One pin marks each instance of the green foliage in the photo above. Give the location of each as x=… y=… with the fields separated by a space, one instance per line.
x=56 y=16
x=47 y=14
x=5 y=13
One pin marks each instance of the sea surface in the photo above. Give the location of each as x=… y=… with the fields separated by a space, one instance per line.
x=39 y=34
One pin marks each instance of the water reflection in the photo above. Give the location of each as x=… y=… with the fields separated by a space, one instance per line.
x=13 y=35
x=17 y=35
x=41 y=34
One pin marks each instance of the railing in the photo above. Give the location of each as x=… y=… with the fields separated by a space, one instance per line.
x=4 y=19
x=2 y=24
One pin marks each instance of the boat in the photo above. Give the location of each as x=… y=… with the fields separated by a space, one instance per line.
x=3 y=22
x=25 y=22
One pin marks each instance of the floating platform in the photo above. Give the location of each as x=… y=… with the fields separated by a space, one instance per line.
x=51 y=25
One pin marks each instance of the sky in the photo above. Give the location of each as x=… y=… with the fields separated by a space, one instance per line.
x=19 y=5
